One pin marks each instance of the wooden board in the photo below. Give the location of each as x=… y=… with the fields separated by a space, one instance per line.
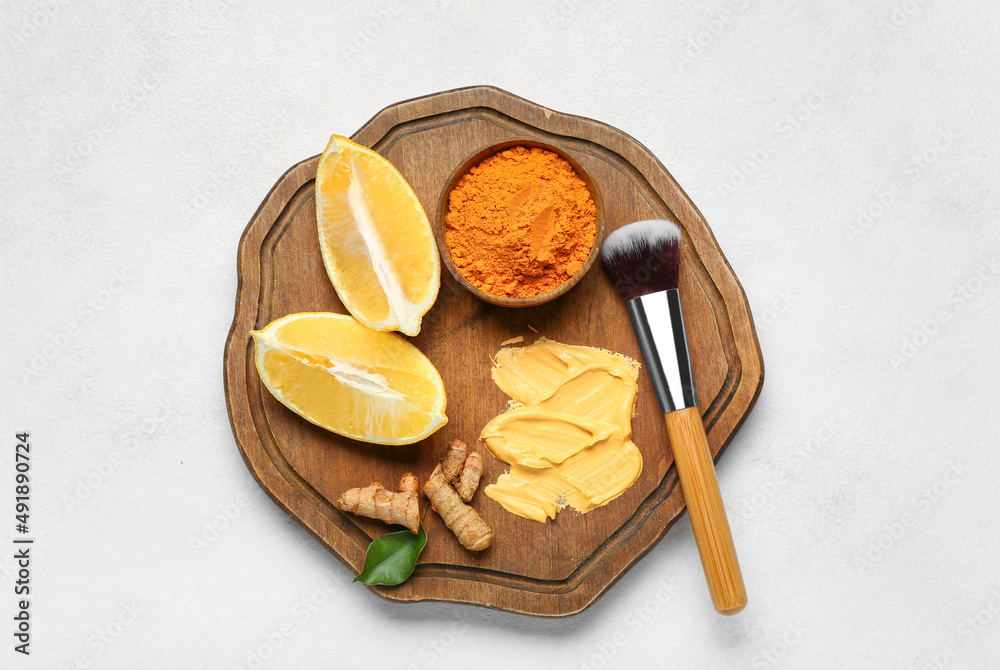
x=550 y=569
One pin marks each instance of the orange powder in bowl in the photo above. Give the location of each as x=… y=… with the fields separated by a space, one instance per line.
x=520 y=223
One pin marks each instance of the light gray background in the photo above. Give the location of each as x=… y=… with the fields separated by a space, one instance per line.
x=845 y=156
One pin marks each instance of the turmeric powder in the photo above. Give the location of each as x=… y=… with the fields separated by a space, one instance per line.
x=520 y=223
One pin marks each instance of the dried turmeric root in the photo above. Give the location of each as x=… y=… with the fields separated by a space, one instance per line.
x=464 y=521
x=408 y=484
x=451 y=464
x=468 y=480
x=462 y=469
x=377 y=502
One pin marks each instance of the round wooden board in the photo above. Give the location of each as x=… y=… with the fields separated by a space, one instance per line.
x=552 y=569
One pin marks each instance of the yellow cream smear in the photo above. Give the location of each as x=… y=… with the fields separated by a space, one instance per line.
x=568 y=436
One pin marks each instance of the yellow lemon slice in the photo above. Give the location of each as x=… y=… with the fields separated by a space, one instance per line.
x=352 y=380
x=378 y=246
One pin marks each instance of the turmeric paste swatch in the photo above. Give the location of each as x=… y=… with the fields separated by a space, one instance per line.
x=568 y=436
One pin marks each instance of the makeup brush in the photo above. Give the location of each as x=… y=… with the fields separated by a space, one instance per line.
x=643 y=259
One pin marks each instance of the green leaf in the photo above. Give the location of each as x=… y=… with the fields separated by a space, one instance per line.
x=391 y=558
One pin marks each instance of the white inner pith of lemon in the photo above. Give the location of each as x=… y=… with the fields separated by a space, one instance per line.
x=398 y=303
x=365 y=381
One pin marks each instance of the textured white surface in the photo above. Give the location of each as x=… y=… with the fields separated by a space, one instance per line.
x=845 y=155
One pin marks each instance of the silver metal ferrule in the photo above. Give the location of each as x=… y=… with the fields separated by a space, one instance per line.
x=659 y=328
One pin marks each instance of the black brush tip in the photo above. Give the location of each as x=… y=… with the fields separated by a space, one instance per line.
x=643 y=257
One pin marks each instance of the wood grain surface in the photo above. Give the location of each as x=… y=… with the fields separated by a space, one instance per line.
x=552 y=569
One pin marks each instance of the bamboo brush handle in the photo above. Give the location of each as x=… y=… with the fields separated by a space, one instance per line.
x=708 y=516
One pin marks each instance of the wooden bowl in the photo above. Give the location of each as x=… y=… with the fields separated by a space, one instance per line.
x=504 y=301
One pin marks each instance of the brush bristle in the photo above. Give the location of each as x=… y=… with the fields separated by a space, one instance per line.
x=643 y=257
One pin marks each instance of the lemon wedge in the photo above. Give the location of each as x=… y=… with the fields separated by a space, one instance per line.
x=377 y=244
x=354 y=381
